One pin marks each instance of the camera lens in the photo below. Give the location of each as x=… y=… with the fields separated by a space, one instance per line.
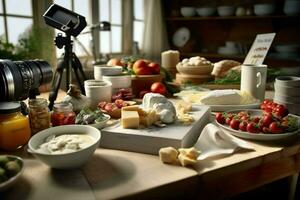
x=18 y=78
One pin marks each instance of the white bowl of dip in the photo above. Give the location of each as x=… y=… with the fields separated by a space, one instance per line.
x=65 y=147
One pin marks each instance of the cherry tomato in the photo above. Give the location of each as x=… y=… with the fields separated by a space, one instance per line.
x=234 y=124
x=243 y=126
x=252 y=127
x=228 y=120
x=220 y=118
x=267 y=120
x=280 y=111
x=158 y=87
x=275 y=128
x=256 y=119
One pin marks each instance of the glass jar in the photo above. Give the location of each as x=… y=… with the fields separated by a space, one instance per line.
x=39 y=115
x=14 y=126
x=62 y=114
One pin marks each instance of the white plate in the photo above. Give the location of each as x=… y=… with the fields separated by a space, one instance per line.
x=221 y=108
x=181 y=37
x=257 y=136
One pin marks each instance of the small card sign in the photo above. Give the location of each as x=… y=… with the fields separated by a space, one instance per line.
x=259 y=49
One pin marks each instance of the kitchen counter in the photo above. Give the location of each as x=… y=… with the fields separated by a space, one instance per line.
x=114 y=174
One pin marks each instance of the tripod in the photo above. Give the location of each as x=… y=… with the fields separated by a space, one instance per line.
x=67 y=61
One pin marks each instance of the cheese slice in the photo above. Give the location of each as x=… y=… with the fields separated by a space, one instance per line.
x=221 y=97
x=130 y=119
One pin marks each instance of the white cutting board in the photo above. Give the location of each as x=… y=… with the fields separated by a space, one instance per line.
x=150 y=140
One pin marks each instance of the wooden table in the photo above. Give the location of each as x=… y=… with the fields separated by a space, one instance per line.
x=112 y=174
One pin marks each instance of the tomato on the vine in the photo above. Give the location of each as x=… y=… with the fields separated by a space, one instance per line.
x=267 y=120
x=252 y=127
x=220 y=118
x=243 y=126
x=275 y=128
x=234 y=124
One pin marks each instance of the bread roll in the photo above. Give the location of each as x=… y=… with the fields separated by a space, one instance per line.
x=222 y=67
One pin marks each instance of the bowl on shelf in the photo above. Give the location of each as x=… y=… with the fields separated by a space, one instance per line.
x=206 y=11
x=11 y=175
x=194 y=70
x=64 y=160
x=188 y=11
x=226 y=11
x=264 y=9
x=291 y=7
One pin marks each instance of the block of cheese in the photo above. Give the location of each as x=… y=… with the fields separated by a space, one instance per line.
x=149 y=118
x=192 y=152
x=221 y=97
x=168 y=155
x=140 y=111
x=130 y=119
x=185 y=160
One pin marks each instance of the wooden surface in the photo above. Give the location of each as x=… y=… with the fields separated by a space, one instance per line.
x=113 y=174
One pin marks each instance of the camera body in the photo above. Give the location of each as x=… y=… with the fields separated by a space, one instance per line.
x=21 y=79
x=65 y=20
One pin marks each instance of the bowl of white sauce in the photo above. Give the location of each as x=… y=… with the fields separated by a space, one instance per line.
x=65 y=147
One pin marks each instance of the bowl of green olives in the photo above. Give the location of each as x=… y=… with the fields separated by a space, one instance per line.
x=11 y=168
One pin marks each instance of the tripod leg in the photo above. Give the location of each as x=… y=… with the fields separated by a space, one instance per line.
x=81 y=84
x=77 y=66
x=56 y=83
x=76 y=60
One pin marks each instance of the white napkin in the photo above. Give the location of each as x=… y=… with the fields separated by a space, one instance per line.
x=213 y=141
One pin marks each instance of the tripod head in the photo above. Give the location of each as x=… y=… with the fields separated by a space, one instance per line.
x=61 y=41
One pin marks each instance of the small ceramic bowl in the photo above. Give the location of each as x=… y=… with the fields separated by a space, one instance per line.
x=264 y=9
x=65 y=160
x=12 y=180
x=100 y=71
x=206 y=11
x=225 y=11
x=188 y=11
x=287 y=91
x=286 y=99
x=288 y=81
x=119 y=81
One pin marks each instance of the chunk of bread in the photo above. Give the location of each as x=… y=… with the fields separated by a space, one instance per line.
x=222 y=67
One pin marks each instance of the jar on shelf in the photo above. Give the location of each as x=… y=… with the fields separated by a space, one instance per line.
x=39 y=115
x=14 y=126
x=62 y=114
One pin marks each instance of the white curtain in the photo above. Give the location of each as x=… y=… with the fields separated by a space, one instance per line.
x=155 y=37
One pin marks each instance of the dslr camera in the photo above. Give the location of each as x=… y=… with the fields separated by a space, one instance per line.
x=20 y=80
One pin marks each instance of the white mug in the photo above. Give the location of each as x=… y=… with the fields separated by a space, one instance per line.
x=97 y=91
x=253 y=80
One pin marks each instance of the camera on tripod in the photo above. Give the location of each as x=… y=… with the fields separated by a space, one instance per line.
x=71 y=24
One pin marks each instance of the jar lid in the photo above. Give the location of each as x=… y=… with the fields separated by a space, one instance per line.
x=9 y=107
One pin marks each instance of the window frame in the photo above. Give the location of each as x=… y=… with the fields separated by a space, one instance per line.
x=5 y=15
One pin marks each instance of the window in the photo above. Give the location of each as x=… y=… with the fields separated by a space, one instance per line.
x=111 y=11
x=138 y=22
x=14 y=12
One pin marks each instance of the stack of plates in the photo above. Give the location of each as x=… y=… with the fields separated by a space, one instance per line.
x=287 y=92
